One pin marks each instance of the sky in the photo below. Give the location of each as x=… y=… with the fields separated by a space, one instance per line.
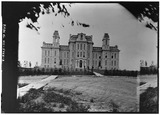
x=135 y=41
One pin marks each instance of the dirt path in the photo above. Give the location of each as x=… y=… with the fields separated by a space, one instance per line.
x=151 y=81
x=38 y=84
x=98 y=74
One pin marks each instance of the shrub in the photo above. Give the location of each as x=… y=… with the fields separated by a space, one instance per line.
x=148 y=101
x=34 y=107
x=114 y=107
x=61 y=105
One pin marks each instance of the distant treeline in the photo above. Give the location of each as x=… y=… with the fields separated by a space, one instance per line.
x=148 y=70
x=43 y=71
x=121 y=73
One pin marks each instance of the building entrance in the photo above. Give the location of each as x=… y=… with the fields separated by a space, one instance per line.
x=80 y=63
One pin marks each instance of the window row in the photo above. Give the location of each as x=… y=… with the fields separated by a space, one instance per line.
x=96 y=63
x=113 y=63
x=96 y=56
x=65 y=61
x=112 y=55
x=46 y=66
x=66 y=54
x=81 y=46
x=81 y=54
x=48 y=60
x=48 y=53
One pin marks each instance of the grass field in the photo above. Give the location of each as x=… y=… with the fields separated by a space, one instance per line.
x=103 y=94
x=100 y=92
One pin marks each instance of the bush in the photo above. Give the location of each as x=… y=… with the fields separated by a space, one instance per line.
x=27 y=103
x=148 y=101
x=75 y=107
x=121 y=73
x=114 y=107
x=33 y=107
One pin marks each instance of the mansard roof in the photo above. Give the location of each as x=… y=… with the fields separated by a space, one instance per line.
x=64 y=47
x=97 y=49
x=47 y=45
x=114 y=48
x=74 y=38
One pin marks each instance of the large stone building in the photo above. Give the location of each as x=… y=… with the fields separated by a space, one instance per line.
x=80 y=53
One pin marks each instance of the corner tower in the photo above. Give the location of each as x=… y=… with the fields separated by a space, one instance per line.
x=56 y=39
x=55 y=50
x=105 y=42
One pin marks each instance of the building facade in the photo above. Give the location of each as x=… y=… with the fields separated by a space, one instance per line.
x=80 y=53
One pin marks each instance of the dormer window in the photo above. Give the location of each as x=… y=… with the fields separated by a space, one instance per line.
x=81 y=36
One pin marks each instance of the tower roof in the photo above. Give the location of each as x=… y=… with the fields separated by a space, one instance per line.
x=56 y=33
x=106 y=36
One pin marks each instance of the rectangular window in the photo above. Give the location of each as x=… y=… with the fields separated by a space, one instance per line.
x=96 y=55
x=45 y=53
x=81 y=46
x=55 y=53
x=64 y=54
x=67 y=61
x=84 y=46
x=83 y=54
x=115 y=55
x=88 y=55
x=73 y=46
x=80 y=54
x=72 y=54
x=54 y=60
x=93 y=62
x=44 y=60
x=114 y=63
x=77 y=54
x=88 y=62
x=67 y=54
x=48 y=52
x=64 y=62
x=48 y=60
x=96 y=63
x=88 y=47
x=106 y=62
x=78 y=46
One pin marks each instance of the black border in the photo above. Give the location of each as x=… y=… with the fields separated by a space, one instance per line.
x=11 y=50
